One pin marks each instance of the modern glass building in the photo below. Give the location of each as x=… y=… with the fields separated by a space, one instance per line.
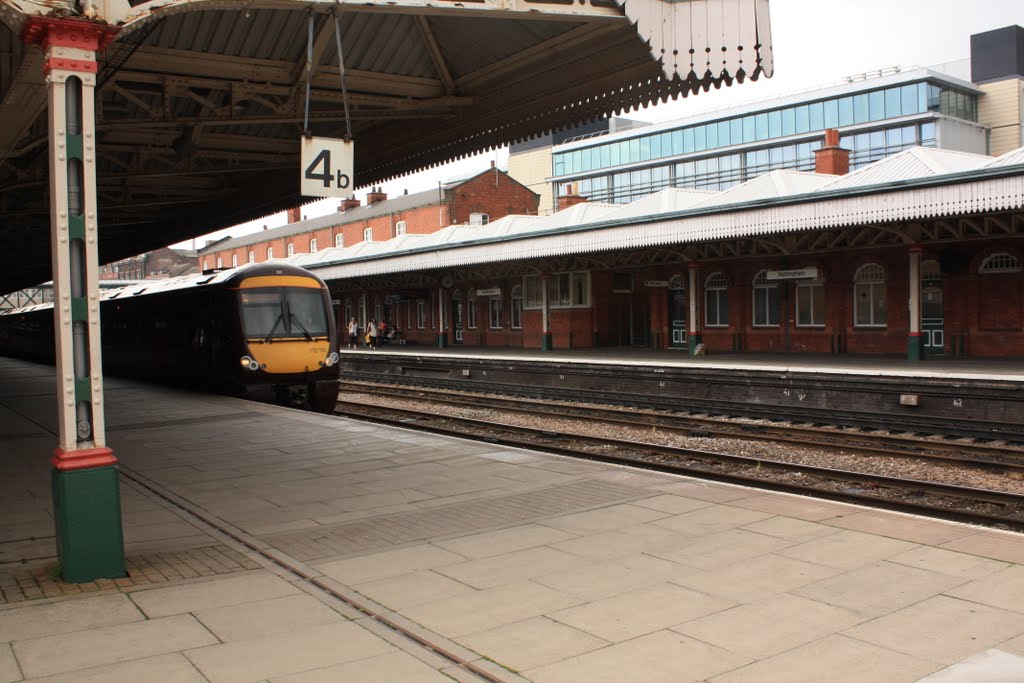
x=876 y=117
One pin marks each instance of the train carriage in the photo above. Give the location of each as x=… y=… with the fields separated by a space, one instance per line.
x=264 y=332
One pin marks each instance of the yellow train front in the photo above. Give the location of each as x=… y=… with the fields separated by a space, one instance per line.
x=264 y=332
x=289 y=337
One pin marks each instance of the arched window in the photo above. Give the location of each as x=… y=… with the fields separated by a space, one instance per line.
x=399 y=228
x=206 y=264
x=368 y=234
x=270 y=253
x=1001 y=262
x=252 y=257
x=312 y=246
x=869 y=301
x=220 y=262
x=766 y=301
x=339 y=240
x=931 y=270
x=234 y=260
x=716 y=300
x=516 y=311
x=291 y=249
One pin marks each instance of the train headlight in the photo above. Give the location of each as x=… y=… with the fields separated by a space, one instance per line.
x=249 y=363
x=331 y=359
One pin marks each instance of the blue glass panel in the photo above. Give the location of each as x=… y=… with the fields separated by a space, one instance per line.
x=831 y=113
x=712 y=133
x=613 y=152
x=677 y=142
x=788 y=121
x=817 y=115
x=645 y=148
x=736 y=131
x=893 y=139
x=846 y=111
x=748 y=129
x=559 y=165
x=606 y=156
x=908 y=100
x=909 y=135
x=775 y=157
x=789 y=155
x=860 y=109
x=927 y=134
x=876 y=105
x=633 y=155
x=699 y=139
x=803 y=119
x=723 y=134
x=972 y=107
x=893 y=106
x=933 y=98
x=761 y=126
x=656 y=147
x=687 y=140
x=775 y=124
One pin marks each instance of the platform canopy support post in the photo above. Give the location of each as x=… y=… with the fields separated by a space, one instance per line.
x=546 y=342
x=693 y=336
x=915 y=342
x=86 y=493
x=442 y=327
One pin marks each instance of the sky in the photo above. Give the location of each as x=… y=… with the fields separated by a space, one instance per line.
x=815 y=43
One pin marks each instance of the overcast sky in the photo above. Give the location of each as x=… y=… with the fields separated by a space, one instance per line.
x=815 y=43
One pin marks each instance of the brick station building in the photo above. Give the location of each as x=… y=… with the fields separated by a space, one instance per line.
x=477 y=200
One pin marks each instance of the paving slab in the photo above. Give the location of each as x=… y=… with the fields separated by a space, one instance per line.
x=990 y=666
x=252 y=620
x=397 y=667
x=108 y=645
x=532 y=643
x=653 y=658
x=248 y=587
x=9 y=669
x=66 y=616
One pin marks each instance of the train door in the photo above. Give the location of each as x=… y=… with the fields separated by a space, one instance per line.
x=933 y=320
x=458 y=311
x=677 y=309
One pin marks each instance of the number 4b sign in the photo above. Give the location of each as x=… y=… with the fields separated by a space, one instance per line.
x=326 y=168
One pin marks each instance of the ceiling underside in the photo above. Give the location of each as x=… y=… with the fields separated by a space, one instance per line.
x=199 y=112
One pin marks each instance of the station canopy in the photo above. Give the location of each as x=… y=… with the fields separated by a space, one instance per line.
x=201 y=104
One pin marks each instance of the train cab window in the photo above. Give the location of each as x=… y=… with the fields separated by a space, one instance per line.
x=283 y=312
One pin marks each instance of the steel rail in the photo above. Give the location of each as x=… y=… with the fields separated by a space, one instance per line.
x=977 y=429
x=870 y=485
x=888 y=445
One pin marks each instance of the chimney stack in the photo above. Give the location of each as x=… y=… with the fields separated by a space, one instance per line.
x=832 y=159
x=375 y=196
x=294 y=214
x=347 y=204
x=570 y=198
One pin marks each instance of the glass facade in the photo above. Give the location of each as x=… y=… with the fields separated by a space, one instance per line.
x=704 y=169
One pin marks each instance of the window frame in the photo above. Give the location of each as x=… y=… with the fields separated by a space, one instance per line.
x=812 y=286
x=761 y=285
x=870 y=278
x=566 y=285
x=367 y=234
x=716 y=286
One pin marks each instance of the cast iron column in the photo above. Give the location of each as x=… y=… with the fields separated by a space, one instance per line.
x=694 y=335
x=546 y=340
x=914 y=340
x=86 y=497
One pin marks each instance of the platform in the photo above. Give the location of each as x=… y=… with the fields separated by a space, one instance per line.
x=529 y=566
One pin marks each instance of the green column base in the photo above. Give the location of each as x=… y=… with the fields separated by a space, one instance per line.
x=442 y=340
x=546 y=343
x=87 y=517
x=691 y=343
x=915 y=347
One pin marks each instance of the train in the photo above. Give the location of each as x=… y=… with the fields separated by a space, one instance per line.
x=264 y=332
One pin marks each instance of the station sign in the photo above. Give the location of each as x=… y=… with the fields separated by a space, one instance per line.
x=655 y=283
x=489 y=292
x=810 y=273
x=326 y=168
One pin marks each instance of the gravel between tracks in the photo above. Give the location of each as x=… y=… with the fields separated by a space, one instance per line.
x=907 y=468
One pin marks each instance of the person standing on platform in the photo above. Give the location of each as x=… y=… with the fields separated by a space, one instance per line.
x=353 y=333
x=371 y=334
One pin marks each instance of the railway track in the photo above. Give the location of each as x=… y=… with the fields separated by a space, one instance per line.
x=998 y=432
x=995 y=457
x=961 y=503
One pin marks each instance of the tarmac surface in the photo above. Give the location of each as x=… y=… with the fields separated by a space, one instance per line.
x=251 y=531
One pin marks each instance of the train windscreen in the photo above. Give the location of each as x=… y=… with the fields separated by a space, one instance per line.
x=284 y=312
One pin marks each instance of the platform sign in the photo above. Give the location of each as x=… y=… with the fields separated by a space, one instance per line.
x=810 y=273
x=489 y=292
x=326 y=168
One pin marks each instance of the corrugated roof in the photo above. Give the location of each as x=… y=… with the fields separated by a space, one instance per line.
x=664 y=201
x=1011 y=158
x=916 y=162
x=758 y=207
